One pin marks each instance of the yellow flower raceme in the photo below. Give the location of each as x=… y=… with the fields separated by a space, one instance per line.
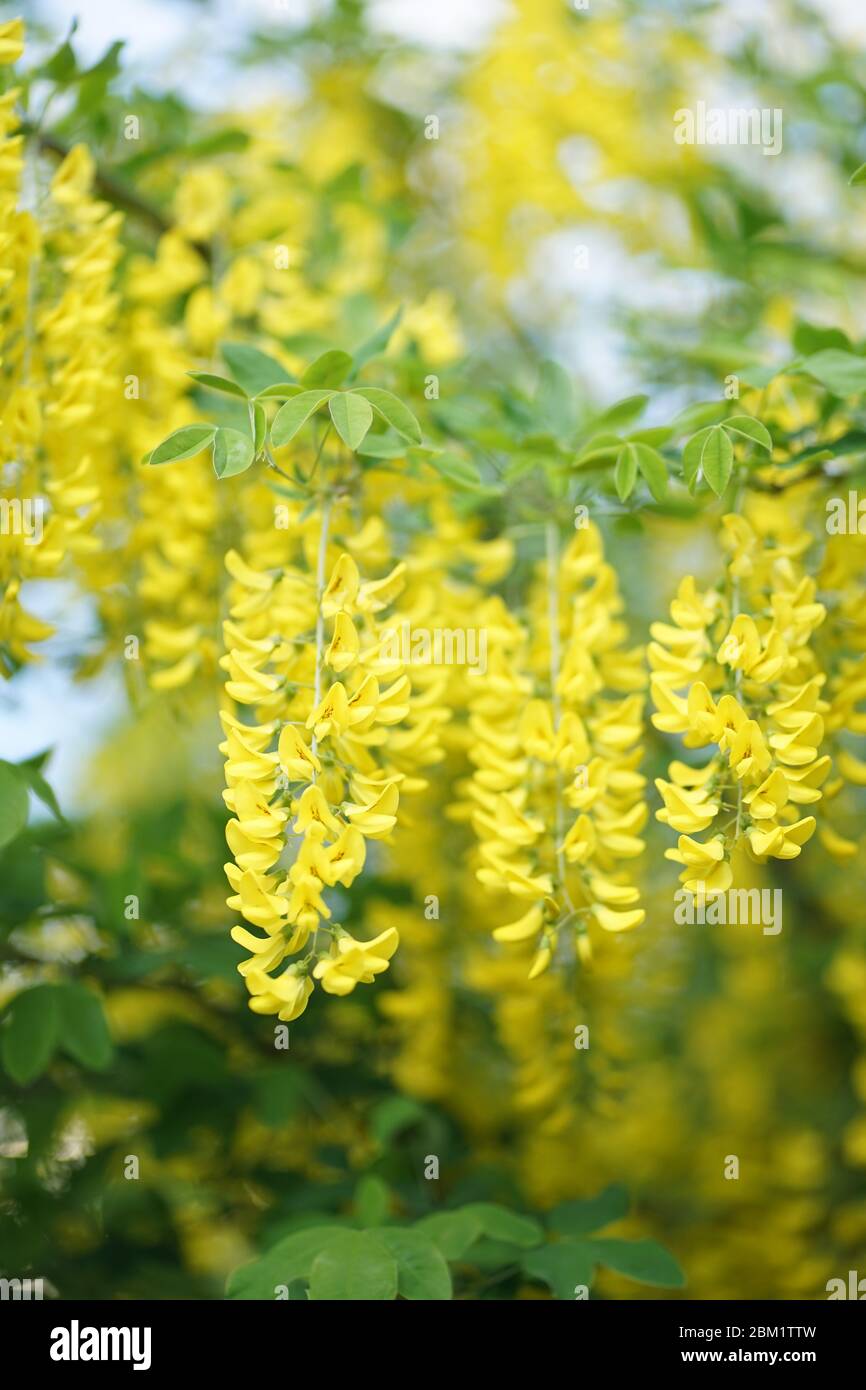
x=843 y=575
x=316 y=765
x=61 y=399
x=556 y=798
x=736 y=669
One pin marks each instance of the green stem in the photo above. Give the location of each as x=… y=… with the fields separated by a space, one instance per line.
x=551 y=536
x=320 y=620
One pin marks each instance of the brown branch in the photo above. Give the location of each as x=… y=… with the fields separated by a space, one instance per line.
x=114 y=192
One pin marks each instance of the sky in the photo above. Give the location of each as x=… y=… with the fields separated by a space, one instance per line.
x=202 y=37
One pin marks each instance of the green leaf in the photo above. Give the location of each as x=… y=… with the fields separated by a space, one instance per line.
x=645 y=1261
x=654 y=436
x=183 y=444
x=621 y=414
x=599 y=451
x=31 y=771
x=501 y=1224
x=62 y=66
x=452 y=1232
x=692 y=455
x=653 y=470
x=393 y=412
x=710 y=453
x=254 y=370
x=749 y=428
x=378 y=341
x=233 y=452
x=753 y=374
x=96 y=81
x=14 y=802
x=458 y=471
x=698 y=416
x=394 y=1115
x=352 y=417
x=422 y=1272
x=355 y=1267
x=280 y=391
x=858 y=176
x=717 y=459
x=227 y=141
x=625 y=472
x=291 y=1258
x=83 y=1031
x=561 y=1266
x=809 y=338
x=588 y=1214
x=383 y=446
x=489 y=1255
x=372 y=1200
x=108 y=66
x=331 y=369
x=851 y=443
x=295 y=413
x=29 y=1035
x=555 y=405
x=218 y=383
x=843 y=373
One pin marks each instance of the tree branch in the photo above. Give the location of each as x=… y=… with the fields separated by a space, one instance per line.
x=110 y=188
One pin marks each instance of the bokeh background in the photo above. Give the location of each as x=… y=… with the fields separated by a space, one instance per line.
x=554 y=216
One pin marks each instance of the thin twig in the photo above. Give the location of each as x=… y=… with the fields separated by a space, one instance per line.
x=551 y=536
x=320 y=621
x=112 y=189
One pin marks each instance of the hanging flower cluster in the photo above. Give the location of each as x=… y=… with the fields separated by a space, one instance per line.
x=60 y=392
x=330 y=737
x=736 y=670
x=843 y=579
x=556 y=798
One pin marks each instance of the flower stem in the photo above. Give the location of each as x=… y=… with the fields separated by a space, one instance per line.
x=551 y=536
x=320 y=621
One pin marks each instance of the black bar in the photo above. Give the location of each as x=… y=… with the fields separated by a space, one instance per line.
x=257 y=1338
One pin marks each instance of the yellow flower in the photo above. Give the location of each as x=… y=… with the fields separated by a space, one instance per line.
x=617 y=921
x=767 y=800
x=535 y=731
x=11 y=40
x=253 y=900
x=352 y=962
x=747 y=751
x=707 y=870
x=376 y=815
x=286 y=996
x=250 y=853
x=799 y=744
x=342 y=587
x=684 y=809
x=297 y=760
x=377 y=594
x=201 y=202
x=345 y=645
x=331 y=714
x=256 y=816
x=347 y=855
x=780 y=841
x=71 y=184
x=313 y=809
x=523 y=929
x=580 y=842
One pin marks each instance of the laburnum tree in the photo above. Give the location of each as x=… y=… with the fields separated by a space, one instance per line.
x=441 y=677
